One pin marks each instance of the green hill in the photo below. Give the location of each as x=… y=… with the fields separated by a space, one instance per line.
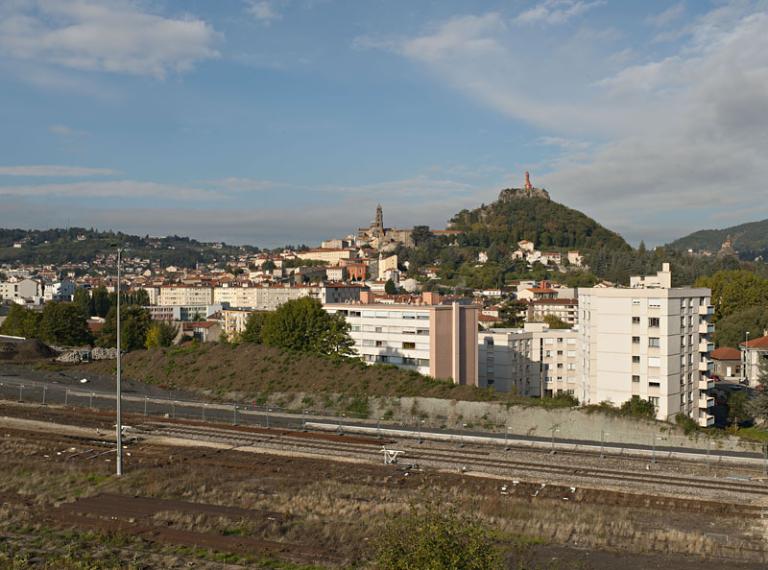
x=75 y=245
x=531 y=215
x=749 y=240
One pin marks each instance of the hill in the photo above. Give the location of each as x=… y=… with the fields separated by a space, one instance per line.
x=748 y=240
x=255 y=371
x=530 y=214
x=74 y=245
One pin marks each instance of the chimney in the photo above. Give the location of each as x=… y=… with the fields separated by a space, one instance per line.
x=430 y=298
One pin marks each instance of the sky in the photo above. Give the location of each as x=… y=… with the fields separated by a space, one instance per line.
x=270 y=122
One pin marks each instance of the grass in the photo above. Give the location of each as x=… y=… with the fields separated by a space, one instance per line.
x=753 y=434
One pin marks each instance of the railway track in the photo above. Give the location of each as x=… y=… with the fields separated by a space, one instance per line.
x=470 y=460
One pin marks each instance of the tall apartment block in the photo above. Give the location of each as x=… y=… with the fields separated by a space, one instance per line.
x=649 y=340
x=438 y=340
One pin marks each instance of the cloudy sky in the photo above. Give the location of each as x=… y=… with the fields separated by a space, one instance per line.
x=286 y=121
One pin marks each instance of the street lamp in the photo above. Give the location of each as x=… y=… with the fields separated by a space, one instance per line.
x=119 y=423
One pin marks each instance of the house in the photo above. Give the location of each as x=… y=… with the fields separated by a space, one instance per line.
x=755 y=354
x=726 y=363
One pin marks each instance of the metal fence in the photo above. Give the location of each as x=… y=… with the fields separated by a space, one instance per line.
x=270 y=416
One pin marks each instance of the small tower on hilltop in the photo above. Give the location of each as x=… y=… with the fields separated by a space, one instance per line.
x=379 y=223
x=528 y=185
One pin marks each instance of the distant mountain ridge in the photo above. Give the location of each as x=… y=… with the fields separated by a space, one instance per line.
x=748 y=240
x=530 y=214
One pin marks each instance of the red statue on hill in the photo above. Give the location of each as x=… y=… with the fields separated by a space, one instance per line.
x=528 y=185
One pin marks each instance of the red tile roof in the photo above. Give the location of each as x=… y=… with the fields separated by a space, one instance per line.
x=758 y=343
x=726 y=353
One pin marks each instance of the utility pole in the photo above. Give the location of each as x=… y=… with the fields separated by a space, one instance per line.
x=119 y=423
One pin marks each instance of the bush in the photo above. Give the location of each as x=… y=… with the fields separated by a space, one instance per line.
x=437 y=538
x=688 y=424
x=636 y=407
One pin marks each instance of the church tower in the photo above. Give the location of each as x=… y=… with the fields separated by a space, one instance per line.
x=379 y=223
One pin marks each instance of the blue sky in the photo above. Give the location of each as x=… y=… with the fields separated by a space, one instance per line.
x=286 y=121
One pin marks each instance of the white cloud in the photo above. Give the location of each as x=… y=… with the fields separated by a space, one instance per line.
x=665 y=18
x=66 y=132
x=675 y=140
x=555 y=12
x=46 y=170
x=265 y=11
x=127 y=189
x=110 y=35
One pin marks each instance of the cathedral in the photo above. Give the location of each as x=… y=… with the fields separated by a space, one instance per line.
x=381 y=238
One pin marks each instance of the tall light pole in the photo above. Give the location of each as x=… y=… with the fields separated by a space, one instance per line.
x=119 y=422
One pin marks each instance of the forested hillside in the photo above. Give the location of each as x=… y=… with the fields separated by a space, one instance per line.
x=58 y=246
x=749 y=240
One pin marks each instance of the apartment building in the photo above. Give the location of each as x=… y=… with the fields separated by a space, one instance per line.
x=532 y=361
x=330 y=256
x=184 y=295
x=567 y=310
x=270 y=298
x=233 y=321
x=21 y=289
x=438 y=340
x=650 y=340
x=183 y=313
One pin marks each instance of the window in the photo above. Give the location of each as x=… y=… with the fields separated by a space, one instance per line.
x=560 y=365
x=635 y=320
x=571 y=354
x=654 y=384
x=635 y=378
x=636 y=302
x=654 y=303
x=654 y=322
x=559 y=352
x=378 y=329
x=655 y=401
x=654 y=342
x=654 y=361
x=682 y=322
x=635 y=340
x=379 y=343
x=409 y=345
x=635 y=360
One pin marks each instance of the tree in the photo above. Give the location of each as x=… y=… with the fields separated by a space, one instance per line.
x=64 y=324
x=161 y=334
x=512 y=313
x=21 y=322
x=736 y=290
x=135 y=322
x=556 y=322
x=268 y=265
x=437 y=538
x=304 y=326
x=738 y=407
x=100 y=302
x=639 y=408
x=82 y=299
x=390 y=288
x=732 y=328
x=421 y=235
x=253 y=327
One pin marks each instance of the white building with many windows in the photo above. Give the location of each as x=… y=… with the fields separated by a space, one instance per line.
x=649 y=340
x=438 y=340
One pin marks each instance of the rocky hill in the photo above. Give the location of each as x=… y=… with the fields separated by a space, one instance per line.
x=747 y=240
x=530 y=214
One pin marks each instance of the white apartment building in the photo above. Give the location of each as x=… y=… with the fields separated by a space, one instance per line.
x=438 y=340
x=183 y=295
x=262 y=298
x=59 y=290
x=649 y=340
x=533 y=361
x=21 y=289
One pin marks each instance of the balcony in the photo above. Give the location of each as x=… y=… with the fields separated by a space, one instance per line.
x=705 y=366
x=706 y=328
x=706 y=420
x=705 y=402
x=706 y=310
x=706 y=384
x=706 y=346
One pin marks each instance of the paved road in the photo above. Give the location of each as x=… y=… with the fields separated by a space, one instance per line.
x=152 y=401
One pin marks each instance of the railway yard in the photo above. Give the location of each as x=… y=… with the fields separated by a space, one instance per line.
x=212 y=495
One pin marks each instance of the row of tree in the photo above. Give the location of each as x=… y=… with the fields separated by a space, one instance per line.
x=301 y=325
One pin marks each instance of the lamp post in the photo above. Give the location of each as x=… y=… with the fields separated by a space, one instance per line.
x=119 y=423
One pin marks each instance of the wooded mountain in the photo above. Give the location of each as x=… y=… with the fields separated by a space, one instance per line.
x=749 y=240
x=521 y=214
x=58 y=246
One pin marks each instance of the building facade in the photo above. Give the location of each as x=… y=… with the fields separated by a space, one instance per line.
x=438 y=340
x=649 y=340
